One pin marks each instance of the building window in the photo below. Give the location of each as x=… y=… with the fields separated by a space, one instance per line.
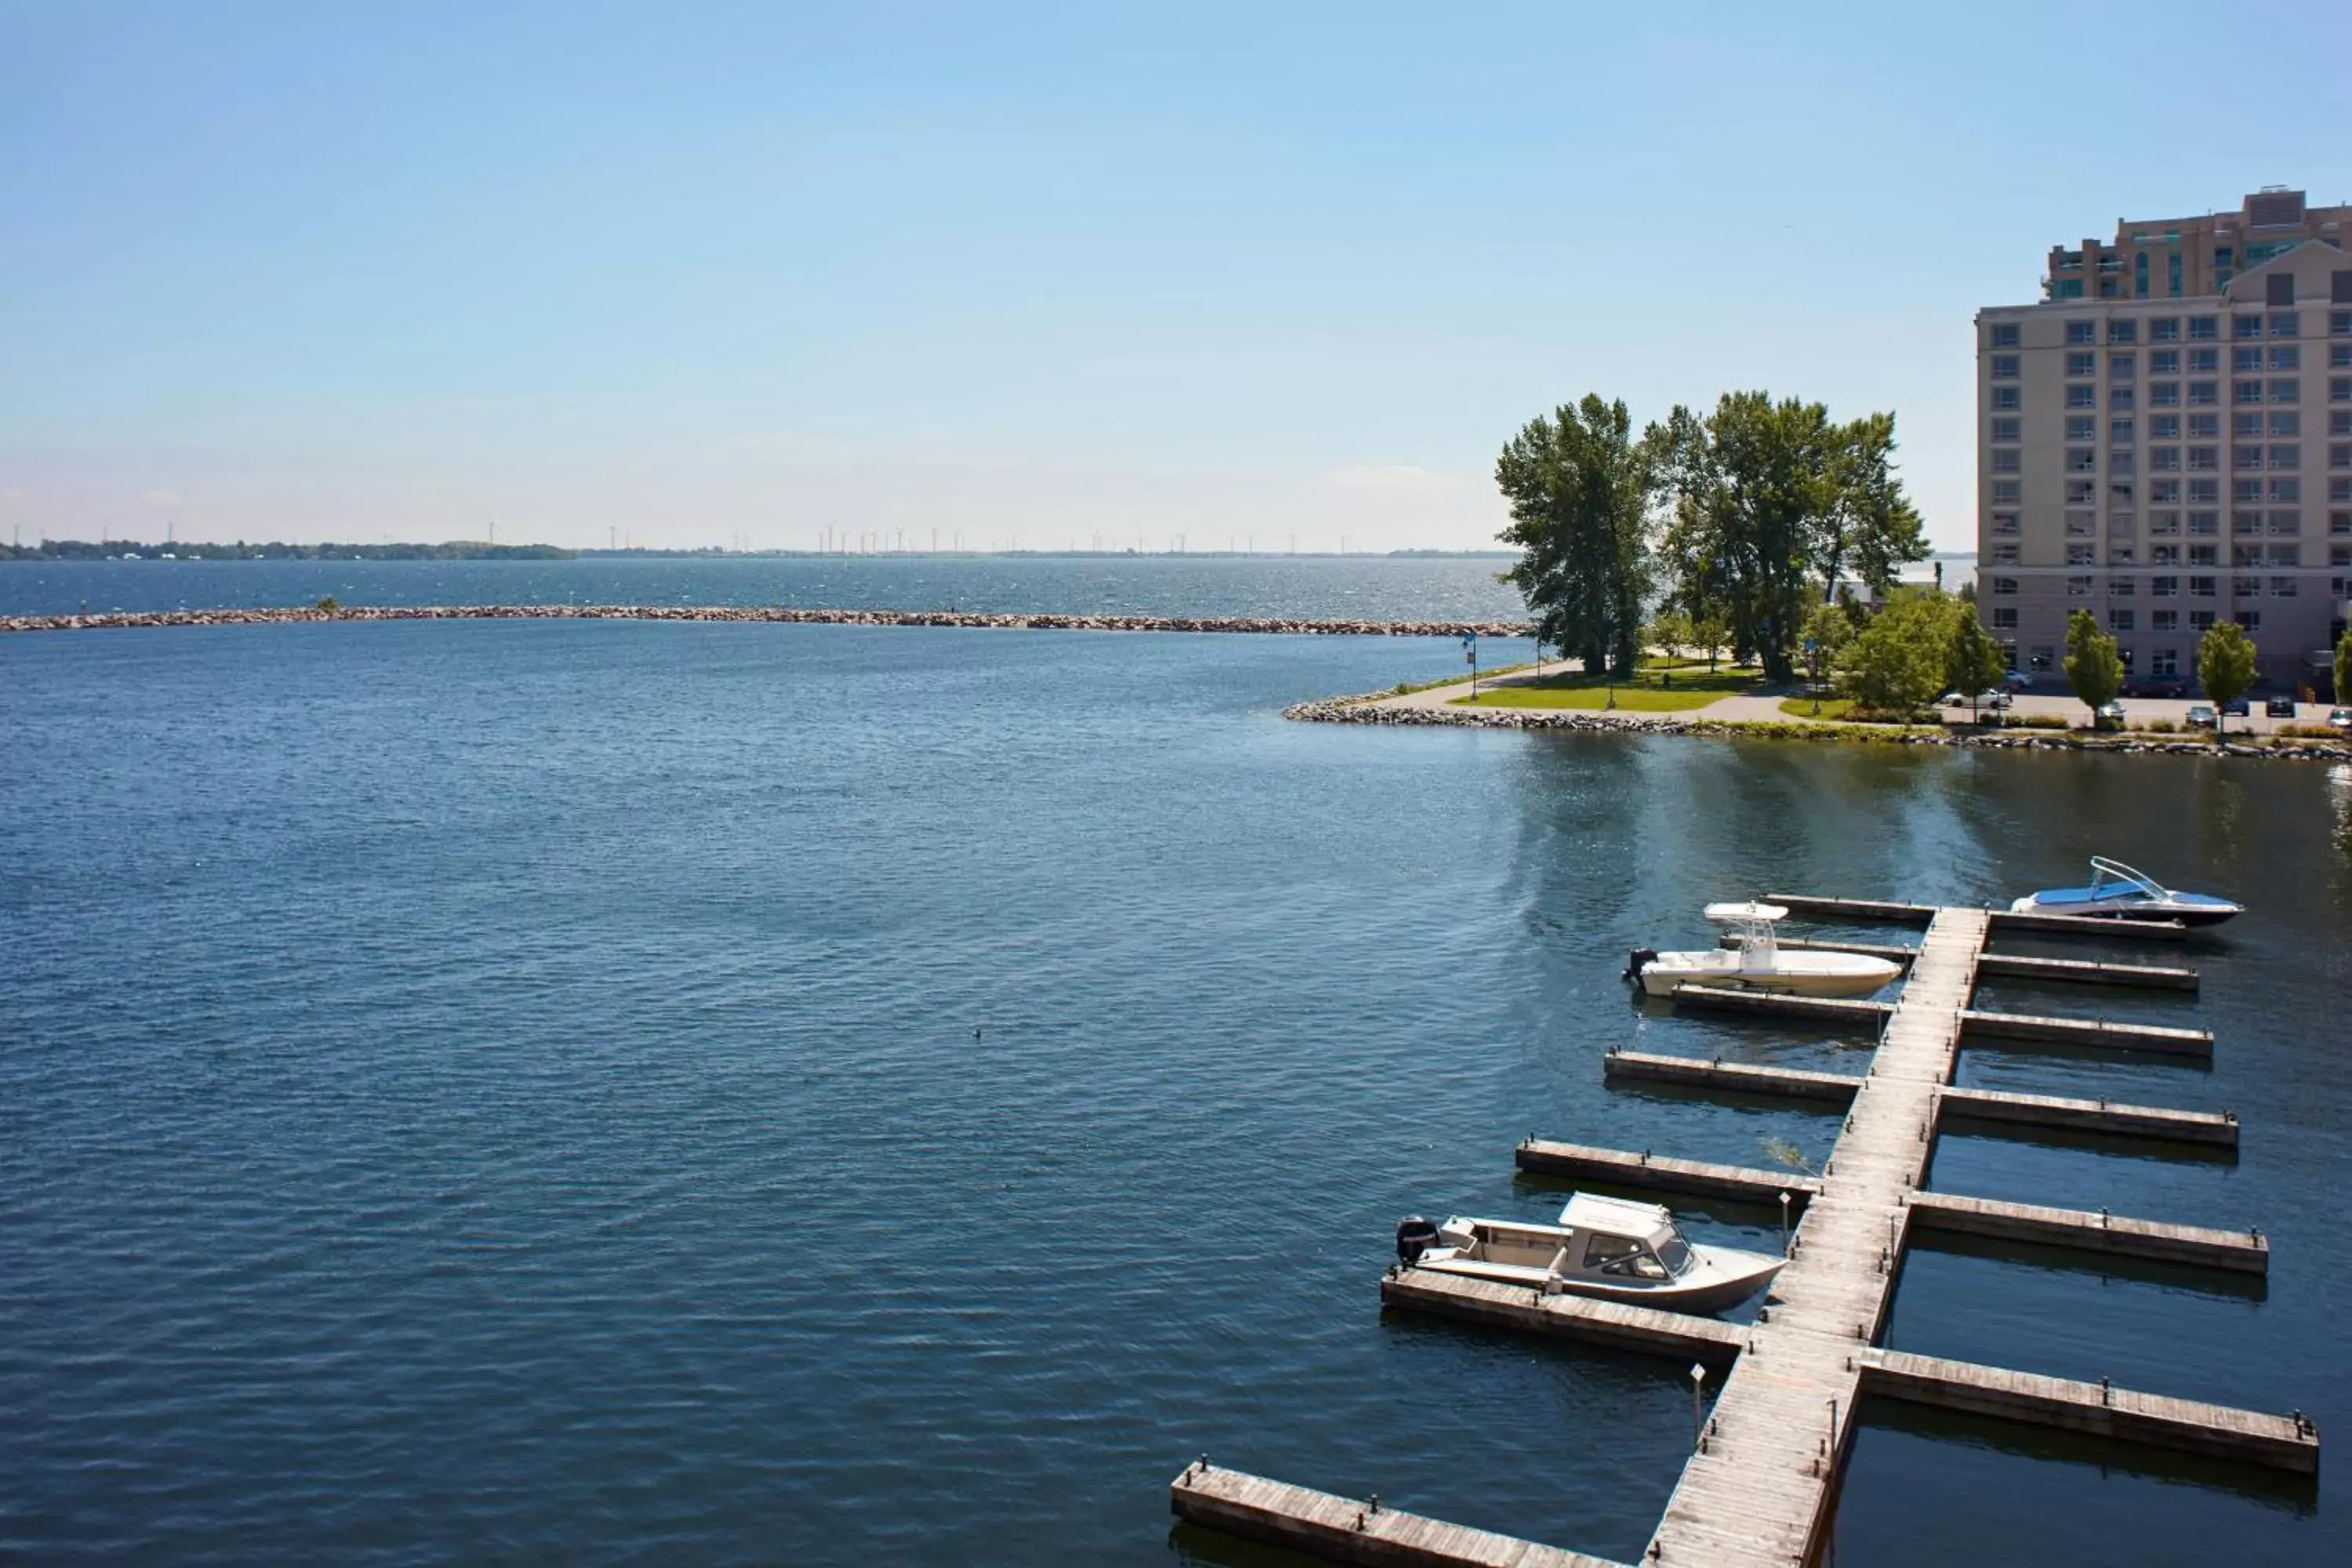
x=2081 y=524
x=2004 y=397
x=2243 y=491
x=2339 y=456
x=2004 y=522
x=2287 y=523
x=2339 y=389
x=2164 y=362
x=2172 y=274
x=2005 y=429
x=2287 y=392
x=2204 y=361
x=2246 y=326
x=2004 y=334
x=2204 y=326
x=2004 y=367
x=2122 y=367
x=2245 y=391
x=2119 y=555
x=2339 y=422
x=2245 y=457
x=2285 y=422
x=2246 y=426
x=2081 y=397
x=2339 y=323
x=2289 y=490
x=2079 y=587
x=2205 y=394
x=2200 y=620
x=2164 y=330
x=2164 y=662
x=2005 y=492
x=2004 y=587
x=2004 y=618
x=2203 y=459
x=2202 y=587
x=2284 y=324
x=2120 y=621
x=2119 y=397
x=2081 y=427
x=2081 y=364
x=2119 y=465
x=2164 y=588
x=2123 y=329
x=2081 y=331
x=2164 y=395
x=2286 y=356
x=2004 y=462
x=2250 y=621
x=2167 y=427
x=2164 y=524
x=2284 y=457
x=2243 y=361
x=2004 y=554
x=2204 y=427
x=2339 y=356
x=2164 y=459
x=2122 y=588
x=2339 y=522
x=2286 y=555
x=2081 y=460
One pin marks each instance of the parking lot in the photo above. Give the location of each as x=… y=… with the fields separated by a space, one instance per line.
x=2143 y=710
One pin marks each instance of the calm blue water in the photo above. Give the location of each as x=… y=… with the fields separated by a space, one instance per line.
x=703 y=1093
x=1348 y=588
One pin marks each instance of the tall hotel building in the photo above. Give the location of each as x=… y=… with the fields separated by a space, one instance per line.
x=2165 y=441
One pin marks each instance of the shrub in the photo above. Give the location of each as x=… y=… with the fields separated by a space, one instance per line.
x=2161 y=726
x=2311 y=733
x=328 y=604
x=2039 y=722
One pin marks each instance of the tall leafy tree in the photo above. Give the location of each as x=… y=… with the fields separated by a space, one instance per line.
x=2225 y=667
x=2344 y=669
x=1772 y=502
x=1581 y=490
x=1972 y=661
x=2093 y=665
x=1897 y=663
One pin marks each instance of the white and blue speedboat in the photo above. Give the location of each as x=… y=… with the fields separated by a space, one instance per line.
x=2117 y=892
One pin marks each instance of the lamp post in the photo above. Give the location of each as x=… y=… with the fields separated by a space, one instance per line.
x=1784 y=1225
x=1698 y=1382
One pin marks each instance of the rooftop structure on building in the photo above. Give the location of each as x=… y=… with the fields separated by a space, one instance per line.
x=2165 y=441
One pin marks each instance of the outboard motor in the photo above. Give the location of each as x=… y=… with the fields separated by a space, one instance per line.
x=1415 y=1235
x=1640 y=956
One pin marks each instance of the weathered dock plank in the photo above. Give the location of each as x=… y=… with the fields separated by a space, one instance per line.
x=2088 y=972
x=1733 y=999
x=2280 y=1441
x=1738 y=1076
x=1618 y=1324
x=2214 y=1127
x=1860 y=911
x=2243 y=1251
x=2036 y=921
x=1978 y=1024
x=1628 y=1168
x=1894 y=952
x=1349 y=1530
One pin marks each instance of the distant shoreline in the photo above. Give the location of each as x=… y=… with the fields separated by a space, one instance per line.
x=118 y=620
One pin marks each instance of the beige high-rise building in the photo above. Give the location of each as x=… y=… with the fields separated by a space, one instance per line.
x=2165 y=441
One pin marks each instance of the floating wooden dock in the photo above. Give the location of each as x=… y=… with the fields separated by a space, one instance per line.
x=2086 y=972
x=1759 y=1489
x=1994 y=1107
x=1879 y=912
x=1624 y=1168
x=1858 y=1011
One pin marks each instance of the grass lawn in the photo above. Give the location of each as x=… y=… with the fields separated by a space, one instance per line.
x=1802 y=706
x=1693 y=686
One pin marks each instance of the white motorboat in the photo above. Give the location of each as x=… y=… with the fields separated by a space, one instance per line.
x=1609 y=1247
x=2117 y=892
x=1757 y=962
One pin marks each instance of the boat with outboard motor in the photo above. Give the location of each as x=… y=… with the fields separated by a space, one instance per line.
x=2117 y=892
x=1614 y=1248
x=1757 y=962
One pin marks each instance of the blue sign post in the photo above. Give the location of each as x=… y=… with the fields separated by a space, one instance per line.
x=1470 y=655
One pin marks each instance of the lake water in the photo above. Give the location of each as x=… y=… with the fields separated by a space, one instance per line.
x=715 y=1093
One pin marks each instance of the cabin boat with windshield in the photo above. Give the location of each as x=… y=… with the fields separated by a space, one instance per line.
x=1614 y=1248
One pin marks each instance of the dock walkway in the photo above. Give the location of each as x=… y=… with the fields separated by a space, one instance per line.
x=1760 y=1490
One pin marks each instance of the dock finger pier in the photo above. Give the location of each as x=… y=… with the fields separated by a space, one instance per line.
x=1760 y=1485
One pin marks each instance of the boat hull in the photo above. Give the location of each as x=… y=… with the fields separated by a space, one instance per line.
x=1790 y=974
x=1724 y=1284
x=2187 y=914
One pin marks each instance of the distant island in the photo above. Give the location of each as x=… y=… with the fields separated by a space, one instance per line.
x=118 y=549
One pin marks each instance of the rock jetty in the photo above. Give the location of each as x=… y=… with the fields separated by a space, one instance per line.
x=1366 y=709
x=1259 y=625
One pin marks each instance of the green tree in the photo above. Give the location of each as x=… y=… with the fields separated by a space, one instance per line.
x=1581 y=490
x=1898 y=662
x=2225 y=667
x=1770 y=498
x=2344 y=669
x=2093 y=665
x=1972 y=660
x=1828 y=629
x=1669 y=632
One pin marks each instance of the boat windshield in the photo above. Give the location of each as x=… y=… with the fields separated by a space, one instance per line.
x=1672 y=1250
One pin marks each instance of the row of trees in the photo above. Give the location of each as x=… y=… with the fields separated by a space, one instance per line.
x=1735 y=519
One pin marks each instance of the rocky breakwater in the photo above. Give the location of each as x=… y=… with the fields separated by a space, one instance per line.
x=1376 y=708
x=1257 y=624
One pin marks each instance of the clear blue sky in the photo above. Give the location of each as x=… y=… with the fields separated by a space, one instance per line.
x=696 y=271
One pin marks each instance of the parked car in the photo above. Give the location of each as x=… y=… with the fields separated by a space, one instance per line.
x=1952 y=700
x=2200 y=717
x=2016 y=680
x=2169 y=690
x=2236 y=708
x=2279 y=708
x=2110 y=715
x=2339 y=718
x=1993 y=700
